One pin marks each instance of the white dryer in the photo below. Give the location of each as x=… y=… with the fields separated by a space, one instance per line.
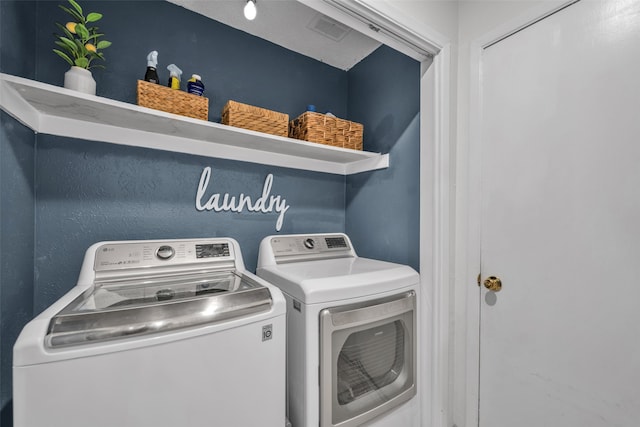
x=352 y=332
x=156 y=334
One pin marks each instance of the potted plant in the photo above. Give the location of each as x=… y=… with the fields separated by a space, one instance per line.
x=80 y=45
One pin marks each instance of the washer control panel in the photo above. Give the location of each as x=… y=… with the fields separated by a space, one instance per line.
x=117 y=256
x=293 y=248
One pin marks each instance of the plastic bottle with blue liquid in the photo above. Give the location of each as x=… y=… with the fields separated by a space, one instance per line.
x=195 y=85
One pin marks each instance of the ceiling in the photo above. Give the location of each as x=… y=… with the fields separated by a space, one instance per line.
x=292 y=25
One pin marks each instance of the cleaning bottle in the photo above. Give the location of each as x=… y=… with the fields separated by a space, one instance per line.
x=195 y=85
x=175 y=74
x=152 y=62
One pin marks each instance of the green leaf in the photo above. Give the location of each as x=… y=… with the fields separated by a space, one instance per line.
x=63 y=56
x=94 y=16
x=76 y=6
x=64 y=29
x=70 y=43
x=73 y=13
x=82 y=62
x=103 y=44
x=65 y=47
x=82 y=51
x=82 y=31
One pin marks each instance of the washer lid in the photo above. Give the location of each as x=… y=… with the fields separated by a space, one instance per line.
x=337 y=279
x=130 y=308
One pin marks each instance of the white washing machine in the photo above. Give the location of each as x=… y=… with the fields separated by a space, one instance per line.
x=352 y=332
x=156 y=334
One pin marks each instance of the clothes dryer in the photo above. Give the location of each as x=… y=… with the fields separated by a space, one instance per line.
x=156 y=334
x=352 y=332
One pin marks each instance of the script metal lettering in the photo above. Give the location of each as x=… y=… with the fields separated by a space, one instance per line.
x=266 y=203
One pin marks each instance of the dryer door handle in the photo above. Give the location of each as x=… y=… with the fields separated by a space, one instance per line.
x=350 y=316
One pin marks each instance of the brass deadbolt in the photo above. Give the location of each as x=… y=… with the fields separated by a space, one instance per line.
x=493 y=283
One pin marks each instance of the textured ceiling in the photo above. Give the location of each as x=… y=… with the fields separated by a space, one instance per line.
x=291 y=24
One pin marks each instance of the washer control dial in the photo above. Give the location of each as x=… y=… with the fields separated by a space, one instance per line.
x=309 y=243
x=165 y=252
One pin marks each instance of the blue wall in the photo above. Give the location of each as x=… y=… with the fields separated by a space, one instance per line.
x=383 y=207
x=85 y=191
x=17 y=150
x=16 y=243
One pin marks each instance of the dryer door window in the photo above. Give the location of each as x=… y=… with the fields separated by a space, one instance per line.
x=367 y=359
x=370 y=360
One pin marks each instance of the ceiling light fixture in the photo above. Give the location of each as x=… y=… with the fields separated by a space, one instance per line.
x=250 y=10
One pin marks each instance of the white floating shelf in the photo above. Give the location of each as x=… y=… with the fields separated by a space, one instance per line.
x=58 y=111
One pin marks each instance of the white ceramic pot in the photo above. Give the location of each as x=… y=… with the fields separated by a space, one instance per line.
x=80 y=79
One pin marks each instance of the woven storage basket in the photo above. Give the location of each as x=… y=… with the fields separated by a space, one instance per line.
x=315 y=127
x=255 y=118
x=163 y=98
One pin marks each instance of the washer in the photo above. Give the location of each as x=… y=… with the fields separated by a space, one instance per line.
x=156 y=334
x=352 y=333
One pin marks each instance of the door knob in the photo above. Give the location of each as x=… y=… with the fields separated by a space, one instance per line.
x=493 y=283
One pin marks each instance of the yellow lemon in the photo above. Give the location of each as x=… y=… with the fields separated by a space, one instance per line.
x=71 y=26
x=90 y=47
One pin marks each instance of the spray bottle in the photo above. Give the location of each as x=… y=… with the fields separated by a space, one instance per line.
x=152 y=62
x=195 y=85
x=175 y=74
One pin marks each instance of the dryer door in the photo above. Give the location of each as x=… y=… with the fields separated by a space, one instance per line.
x=367 y=359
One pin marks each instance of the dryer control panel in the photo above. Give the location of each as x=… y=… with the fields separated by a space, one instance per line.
x=313 y=246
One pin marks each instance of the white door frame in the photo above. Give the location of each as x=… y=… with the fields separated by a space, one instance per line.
x=435 y=239
x=469 y=207
x=384 y=22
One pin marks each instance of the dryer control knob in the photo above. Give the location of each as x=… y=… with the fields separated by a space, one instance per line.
x=309 y=243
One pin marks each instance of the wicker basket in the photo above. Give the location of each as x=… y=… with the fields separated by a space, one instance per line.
x=163 y=98
x=255 y=118
x=315 y=127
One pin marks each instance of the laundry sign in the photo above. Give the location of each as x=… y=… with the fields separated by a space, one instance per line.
x=217 y=202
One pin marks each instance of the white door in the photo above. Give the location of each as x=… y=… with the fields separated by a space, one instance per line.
x=560 y=343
